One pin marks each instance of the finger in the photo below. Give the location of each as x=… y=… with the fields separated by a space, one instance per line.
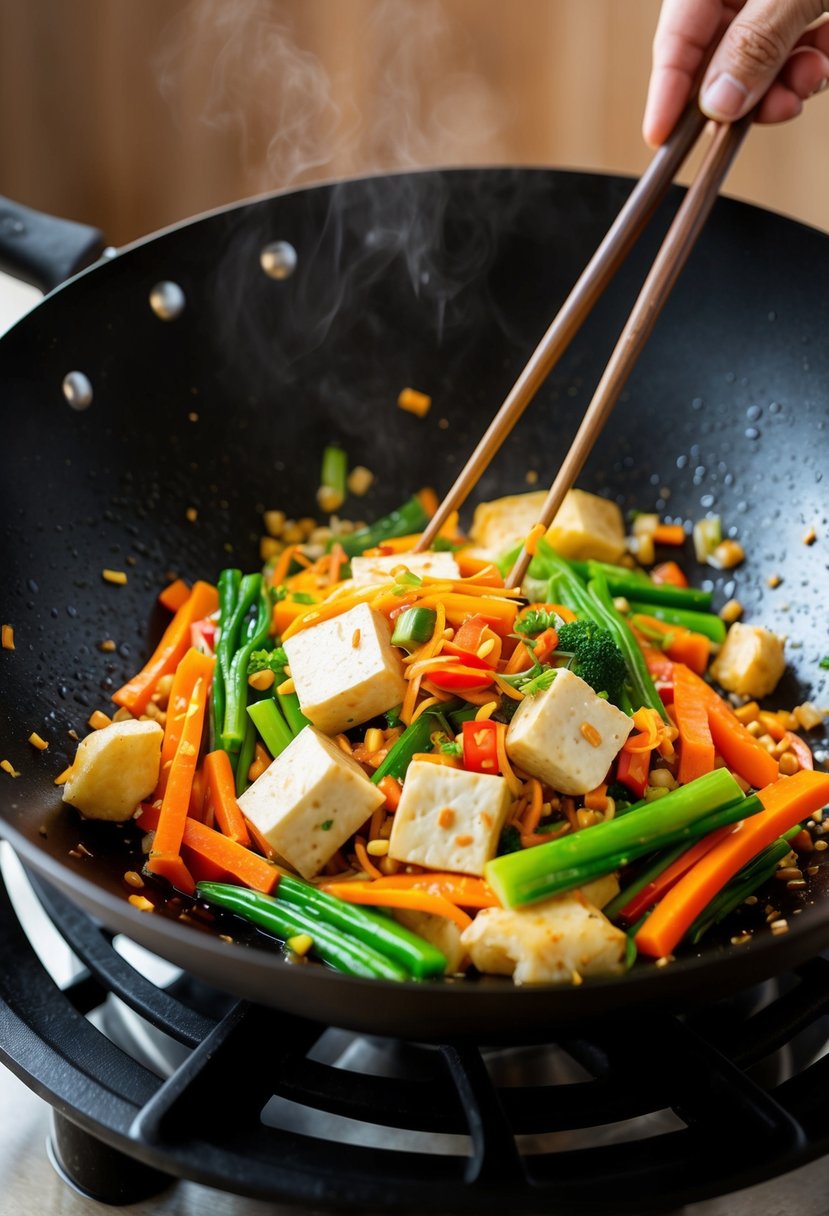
x=780 y=104
x=683 y=34
x=806 y=73
x=755 y=48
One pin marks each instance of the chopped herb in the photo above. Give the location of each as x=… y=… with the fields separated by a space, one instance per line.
x=450 y=748
x=441 y=544
x=539 y=676
x=268 y=660
x=539 y=683
x=327 y=825
x=392 y=716
x=277 y=594
x=509 y=840
x=537 y=620
x=824 y=662
x=302 y=597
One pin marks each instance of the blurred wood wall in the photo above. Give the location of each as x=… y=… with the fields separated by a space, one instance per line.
x=133 y=115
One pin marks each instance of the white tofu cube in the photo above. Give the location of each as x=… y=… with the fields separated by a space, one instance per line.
x=346 y=670
x=448 y=819
x=751 y=661
x=114 y=769
x=379 y=569
x=567 y=735
x=309 y=801
x=550 y=942
x=585 y=525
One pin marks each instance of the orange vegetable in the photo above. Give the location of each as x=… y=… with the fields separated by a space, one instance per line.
x=285 y=612
x=696 y=751
x=647 y=897
x=214 y=857
x=738 y=747
x=478 y=568
x=460 y=889
x=800 y=748
x=392 y=789
x=174 y=595
x=221 y=783
x=283 y=565
x=682 y=645
x=668 y=574
x=165 y=859
x=136 y=693
x=418 y=901
x=198 y=793
x=194 y=666
x=669 y=534
x=786 y=802
x=545 y=644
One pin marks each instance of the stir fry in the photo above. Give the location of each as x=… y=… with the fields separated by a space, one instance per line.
x=392 y=762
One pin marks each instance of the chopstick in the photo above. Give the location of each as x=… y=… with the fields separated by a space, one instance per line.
x=671 y=258
x=629 y=223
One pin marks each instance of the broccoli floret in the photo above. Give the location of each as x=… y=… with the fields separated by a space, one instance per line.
x=536 y=621
x=268 y=660
x=595 y=656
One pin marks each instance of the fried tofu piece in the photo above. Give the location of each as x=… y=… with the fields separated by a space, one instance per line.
x=546 y=943
x=114 y=769
x=586 y=526
x=751 y=661
x=567 y=735
x=379 y=569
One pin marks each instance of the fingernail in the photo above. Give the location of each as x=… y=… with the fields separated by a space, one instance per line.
x=820 y=87
x=724 y=99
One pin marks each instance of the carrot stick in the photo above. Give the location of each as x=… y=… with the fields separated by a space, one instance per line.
x=136 y=693
x=683 y=646
x=483 y=571
x=197 y=796
x=213 y=856
x=392 y=789
x=669 y=534
x=222 y=785
x=460 y=889
x=639 y=903
x=194 y=666
x=736 y=745
x=174 y=595
x=418 y=901
x=696 y=751
x=786 y=802
x=164 y=857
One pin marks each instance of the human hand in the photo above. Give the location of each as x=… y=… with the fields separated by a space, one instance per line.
x=777 y=50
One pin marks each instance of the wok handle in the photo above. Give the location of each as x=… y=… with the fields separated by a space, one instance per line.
x=42 y=249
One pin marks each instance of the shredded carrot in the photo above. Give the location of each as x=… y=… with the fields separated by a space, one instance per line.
x=428 y=499
x=786 y=803
x=441 y=758
x=136 y=693
x=513 y=784
x=174 y=595
x=366 y=864
x=596 y=800
x=532 y=818
x=418 y=901
x=194 y=666
x=219 y=774
x=283 y=565
x=533 y=537
x=479 y=568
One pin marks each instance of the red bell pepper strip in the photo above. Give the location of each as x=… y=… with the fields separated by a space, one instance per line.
x=480 y=746
x=460 y=679
x=632 y=770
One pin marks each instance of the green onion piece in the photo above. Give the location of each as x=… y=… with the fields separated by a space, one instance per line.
x=419 y=957
x=635 y=585
x=284 y=921
x=411 y=517
x=289 y=704
x=275 y=732
x=641 y=687
x=546 y=869
x=244 y=759
x=753 y=875
x=414 y=627
x=652 y=871
x=700 y=622
x=333 y=475
x=415 y=738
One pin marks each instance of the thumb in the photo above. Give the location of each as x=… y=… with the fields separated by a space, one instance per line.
x=753 y=50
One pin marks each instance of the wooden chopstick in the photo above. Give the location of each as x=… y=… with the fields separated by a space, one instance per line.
x=661 y=278
x=640 y=206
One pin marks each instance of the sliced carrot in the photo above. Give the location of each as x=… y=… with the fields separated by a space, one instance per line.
x=417 y=901
x=738 y=747
x=668 y=574
x=669 y=534
x=772 y=724
x=545 y=644
x=136 y=693
x=428 y=500
x=786 y=802
x=164 y=856
x=659 y=665
x=285 y=612
x=391 y=788
x=479 y=568
x=198 y=792
x=206 y=850
x=461 y=889
x=222 y=785
x=647 y=897
x=194 y=666
x=696 y=750
x=174 y=595
x=682 y=645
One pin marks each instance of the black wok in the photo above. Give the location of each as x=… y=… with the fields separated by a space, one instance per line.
x=443 y=281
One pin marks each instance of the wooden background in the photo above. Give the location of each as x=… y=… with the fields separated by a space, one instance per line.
x=133 y=114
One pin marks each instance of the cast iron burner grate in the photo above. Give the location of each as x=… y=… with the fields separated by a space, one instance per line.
x=645 y=1115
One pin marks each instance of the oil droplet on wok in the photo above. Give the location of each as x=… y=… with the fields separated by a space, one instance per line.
x=753 y=413
x=751 y=432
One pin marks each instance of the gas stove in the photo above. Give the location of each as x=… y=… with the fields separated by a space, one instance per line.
x=154 y=1078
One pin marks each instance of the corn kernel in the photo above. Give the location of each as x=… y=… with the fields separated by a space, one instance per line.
x=118 y=577
x=141 y=903
x=329 y=500
x=274 y=522
x=731 y=611
x=261 y=680
x=133 y=879
x=300 y=943
x=726 y=555
x=414 y=402
x=789 y=764
x=359 y=480
x=37 y=741
x=377 y=848
x=191 y=515
x=268 y=548
x=747 y=713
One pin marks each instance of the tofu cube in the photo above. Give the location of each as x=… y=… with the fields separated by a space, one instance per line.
x=448 y=819
x=346 y=670
x=438 y=930
x=114 y=769
x=379 y=569
x=566 y=735
x=309 y=801
x=547 y=943
x=585 y=526
x=751 y=661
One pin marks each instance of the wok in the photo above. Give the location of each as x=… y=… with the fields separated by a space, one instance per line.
x=439 y=280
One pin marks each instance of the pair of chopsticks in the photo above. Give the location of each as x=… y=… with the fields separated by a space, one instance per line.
x=673 y=254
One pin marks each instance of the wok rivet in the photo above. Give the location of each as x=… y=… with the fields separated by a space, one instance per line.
x=77 y=390
x=167 y=300
x=278 y=260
